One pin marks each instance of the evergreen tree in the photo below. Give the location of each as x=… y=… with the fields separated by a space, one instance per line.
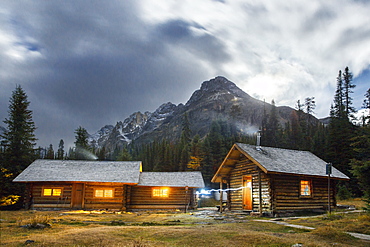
x=82 y=147
x=50 y=153
x=60 y=153
x=102 y=154
x=341 y=130
x=124 y=155
x=361 y=163
x=19 y=142
x=295 y=134
x=185 y=140
x=347 y=90
x=272 y=129
x=366 y=105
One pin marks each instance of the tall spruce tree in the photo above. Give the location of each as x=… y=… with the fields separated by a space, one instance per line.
x=19 y=142
x=366 y=105
x=272 y=128
x=347 y=90
x=185 y=141
x=50 y=152
x=60 y=153
x=82 y=146
x=341 y=130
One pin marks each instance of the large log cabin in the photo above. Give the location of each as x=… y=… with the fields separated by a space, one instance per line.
x=271 y=181
x=107 y=185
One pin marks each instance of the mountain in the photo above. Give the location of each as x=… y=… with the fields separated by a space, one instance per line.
x=217 y=99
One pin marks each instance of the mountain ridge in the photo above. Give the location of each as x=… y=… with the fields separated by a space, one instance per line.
x=217 y=99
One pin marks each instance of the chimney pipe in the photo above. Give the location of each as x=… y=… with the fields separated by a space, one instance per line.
x=258 y=147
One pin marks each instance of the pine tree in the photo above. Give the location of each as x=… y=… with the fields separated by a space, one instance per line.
x=184 y=145
x=60 y=153
x=50 y=153
x=366 y=105
x=19 y=142
x=341 y=130
x=124 y=155
x=361 y=163
x=82 y=147
x=272 y=128
x=19 y=136
x=347 y=90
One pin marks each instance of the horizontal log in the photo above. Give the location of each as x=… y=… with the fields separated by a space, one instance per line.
x=299 y=207
x=157 y=206
x=51 y=205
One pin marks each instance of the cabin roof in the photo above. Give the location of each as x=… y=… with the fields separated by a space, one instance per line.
x=172 y=179
x=276 y=160
x=82 y=171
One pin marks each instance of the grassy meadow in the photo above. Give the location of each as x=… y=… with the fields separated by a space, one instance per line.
x=145 y=229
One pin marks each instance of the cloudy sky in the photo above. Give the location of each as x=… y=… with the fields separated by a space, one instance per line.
x=92 y=63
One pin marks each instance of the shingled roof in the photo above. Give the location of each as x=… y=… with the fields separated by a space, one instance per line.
x=277 y=160
x=128 y=172
x=172 y=179
x=81 y=171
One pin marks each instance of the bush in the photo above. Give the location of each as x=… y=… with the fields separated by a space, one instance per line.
x=35 y=222
x=343 y=193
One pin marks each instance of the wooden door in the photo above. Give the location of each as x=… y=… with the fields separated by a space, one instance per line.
x=247 y=192
x=77 y=195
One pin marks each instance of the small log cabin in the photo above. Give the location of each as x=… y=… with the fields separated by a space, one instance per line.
x=107 y=185
x=273 y=180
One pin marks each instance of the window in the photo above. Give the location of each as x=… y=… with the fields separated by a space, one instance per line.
x=103 y=193
x=52 y=191
x=306 y=188
x=160 y=192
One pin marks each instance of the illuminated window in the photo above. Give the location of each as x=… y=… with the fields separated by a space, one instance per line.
x=52 y=192
x=103 y=193
x=161 y=192
x=306 y=188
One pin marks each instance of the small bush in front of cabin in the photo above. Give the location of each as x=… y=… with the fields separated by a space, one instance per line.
x=35 y=222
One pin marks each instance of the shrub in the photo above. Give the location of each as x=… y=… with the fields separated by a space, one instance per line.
x=35 y=222
x=343 y=193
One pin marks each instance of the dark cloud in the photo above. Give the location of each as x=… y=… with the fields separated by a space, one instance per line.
x=94 y=63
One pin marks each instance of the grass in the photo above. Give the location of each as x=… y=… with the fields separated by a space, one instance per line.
x=358 y=222
x=147 y=229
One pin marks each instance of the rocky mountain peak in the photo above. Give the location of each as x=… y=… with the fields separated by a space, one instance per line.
x=216 y=88
x=216 y=84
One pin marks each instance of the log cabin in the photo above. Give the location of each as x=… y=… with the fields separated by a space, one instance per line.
x=119 y=185
x=274 y=181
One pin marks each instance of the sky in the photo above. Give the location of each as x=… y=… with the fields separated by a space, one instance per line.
x=93 y=63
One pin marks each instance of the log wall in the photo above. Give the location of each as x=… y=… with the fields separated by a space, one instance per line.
x=118 y=201
x=40 y=201
x=286 y=195
x=243 y=168
x=141 y=198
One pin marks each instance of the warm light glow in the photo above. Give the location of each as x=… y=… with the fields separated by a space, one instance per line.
x=57 y=192
x=47 y=192
x=103 y=193
x=161 y=192
x=305 y=188
x=52 y=192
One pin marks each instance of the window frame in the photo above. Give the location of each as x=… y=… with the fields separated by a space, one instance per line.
x=52 y=194
x=310 y=188
x=104 y=189
x=160 y=193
